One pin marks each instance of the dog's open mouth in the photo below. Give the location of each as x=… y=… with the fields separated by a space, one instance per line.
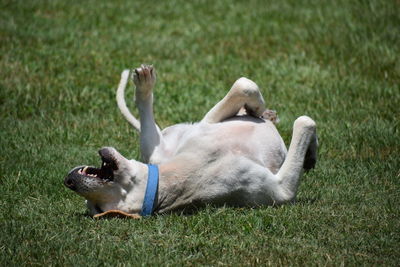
x=105 y=172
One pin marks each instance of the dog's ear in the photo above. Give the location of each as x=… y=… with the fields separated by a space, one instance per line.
x=116 y=214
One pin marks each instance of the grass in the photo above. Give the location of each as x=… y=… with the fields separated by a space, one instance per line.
x=336 y=61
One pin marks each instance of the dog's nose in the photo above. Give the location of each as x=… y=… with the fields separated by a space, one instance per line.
x=69 y=182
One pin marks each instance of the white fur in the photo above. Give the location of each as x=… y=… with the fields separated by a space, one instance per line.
x=223 y=159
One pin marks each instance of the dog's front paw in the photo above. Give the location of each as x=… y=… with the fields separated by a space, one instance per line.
x=144 y=78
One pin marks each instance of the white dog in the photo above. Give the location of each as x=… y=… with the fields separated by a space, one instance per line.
x=234 y=156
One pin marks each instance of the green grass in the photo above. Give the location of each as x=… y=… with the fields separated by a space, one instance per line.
x=336 y=61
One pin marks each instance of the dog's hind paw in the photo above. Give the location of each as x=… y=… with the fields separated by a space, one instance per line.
x=271 y=115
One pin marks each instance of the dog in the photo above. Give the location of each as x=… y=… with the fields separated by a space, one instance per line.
x=234 y=156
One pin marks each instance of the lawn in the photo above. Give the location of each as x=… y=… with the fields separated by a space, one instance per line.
x=336 y=61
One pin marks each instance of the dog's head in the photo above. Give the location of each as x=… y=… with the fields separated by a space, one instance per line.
x=108 y=187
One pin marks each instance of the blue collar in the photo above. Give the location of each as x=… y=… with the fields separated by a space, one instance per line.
x=151 y=191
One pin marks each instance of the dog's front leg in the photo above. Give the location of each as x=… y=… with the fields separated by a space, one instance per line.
x=150 y=134
x=243 y=94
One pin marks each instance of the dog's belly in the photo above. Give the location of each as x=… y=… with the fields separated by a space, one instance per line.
x=244 y=136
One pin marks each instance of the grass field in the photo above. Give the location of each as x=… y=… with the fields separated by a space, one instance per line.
x=336 y=61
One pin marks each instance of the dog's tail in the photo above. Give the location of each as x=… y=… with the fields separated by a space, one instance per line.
x=121 y=100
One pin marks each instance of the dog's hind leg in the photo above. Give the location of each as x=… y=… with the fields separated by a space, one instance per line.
x=243 y=94
x=150 y=134
x=304 y=139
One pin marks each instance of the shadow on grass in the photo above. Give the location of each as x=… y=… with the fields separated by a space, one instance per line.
x=305 y=201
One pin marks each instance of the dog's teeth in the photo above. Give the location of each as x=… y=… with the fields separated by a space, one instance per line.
x=84 y=169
